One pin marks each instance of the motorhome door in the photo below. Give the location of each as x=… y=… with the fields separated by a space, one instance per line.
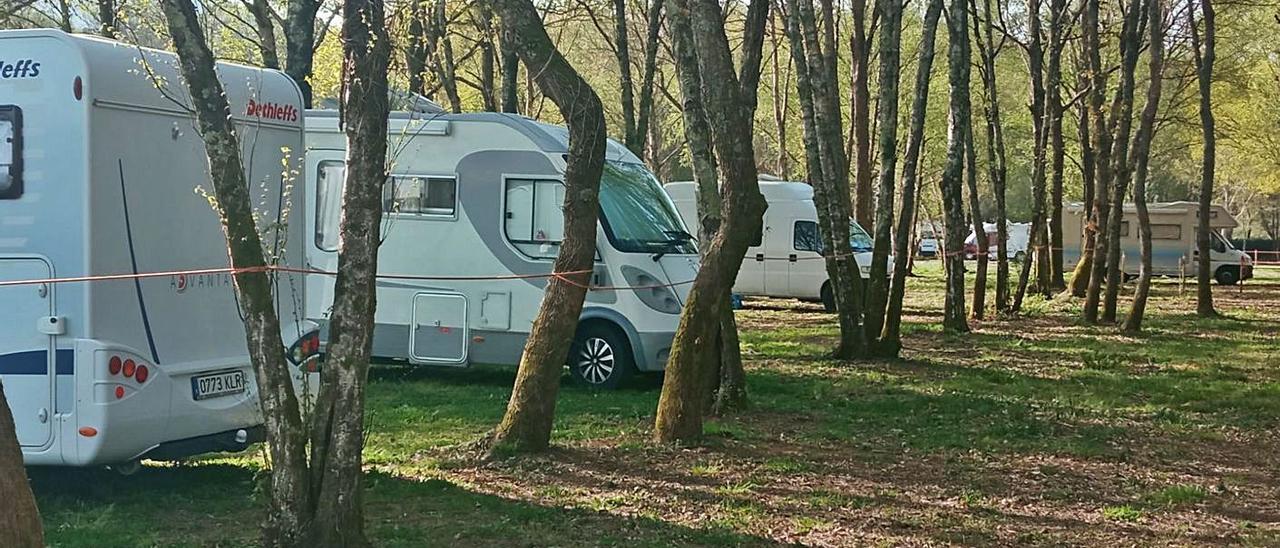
x=438 y=334
x=26 y=350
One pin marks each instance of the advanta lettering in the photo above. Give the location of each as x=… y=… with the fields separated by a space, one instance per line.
x=22 y=68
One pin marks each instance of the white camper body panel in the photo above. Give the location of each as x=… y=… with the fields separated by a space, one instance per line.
x=787 y=260
x=1018 y=234
x=1173 y=241
x=111 y=172
x=475 y=248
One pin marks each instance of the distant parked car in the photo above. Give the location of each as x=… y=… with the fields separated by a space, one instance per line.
x=1019 y=236
x=928 y=245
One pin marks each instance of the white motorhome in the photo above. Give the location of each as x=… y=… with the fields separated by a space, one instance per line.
x=1018 y=234
x=472 y=225
x=1173 y=241
x=786 y=259
x=98 y=176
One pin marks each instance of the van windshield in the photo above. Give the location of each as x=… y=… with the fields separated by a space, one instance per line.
x=635 y=212
x=859 y=240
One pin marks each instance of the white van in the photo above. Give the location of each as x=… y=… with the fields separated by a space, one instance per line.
x=472 y=225
x=1173 y=241
x=786 y=260
x=98 y=176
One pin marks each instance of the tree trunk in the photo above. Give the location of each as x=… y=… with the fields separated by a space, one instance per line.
x=482 y=17
x=887 y=124
x=20 y=525
x=1080 y=276
x=526 y=426
x=952 y=183
x=817 y=87
x=107 y=19
x=1100 y=134
x=300 y=43
x=338 y=425
x=891 y=337
x=730 y=390
x=289 y=511
x=997 y=169
x=859 y=49
x=440 y=51
x=680 y=413
x=266 y=29
x=622 y=51
x=1058 y=27
x=1205 y=55
x=644 y=114
x=415 y=54
x=983 y=243
x=1142 y=155
x=510 y=75
x=1130 y=42
x=1038 y=249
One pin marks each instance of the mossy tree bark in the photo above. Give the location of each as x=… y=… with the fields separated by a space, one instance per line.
x=527 y=424
x=20 y=525
x=681 y=405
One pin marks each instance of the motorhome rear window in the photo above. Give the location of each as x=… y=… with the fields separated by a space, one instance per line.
x=534 y=220
x=1166 y=232
x=420 y=195
x=10 y=152
x=329 y=181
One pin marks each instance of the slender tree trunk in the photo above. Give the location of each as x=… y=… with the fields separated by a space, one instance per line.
x=978 y=310
x=1038 y=253
x=300 y=43
x=20 y=525
x=1057 y=147
x=780 y=103
x=526 y=426
x=440 y=51
x=415 y=55
x=289 y=512
x=266 y=29
x=644 y=115
x=887 y=123
x=510 y=75
x=952 y=183
x=1130 y=42
x=482 y=17
x=997 y=169
x=680 y=413
x=864 y=211
x=1080 y=276
x=337 y=439
x=1205 y=55
x=1142 y=155
x=1100 y=134
x=622 y=51
x=891 y=339
x=107 y=19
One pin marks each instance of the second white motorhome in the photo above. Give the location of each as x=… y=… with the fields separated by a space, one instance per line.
x=100 y=163
x=1018 y=234
x=786 y=259
x=472 y=225
x=1173 y=241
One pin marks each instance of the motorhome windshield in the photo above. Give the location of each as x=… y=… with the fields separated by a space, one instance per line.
x=636 y=215
x=859 y=240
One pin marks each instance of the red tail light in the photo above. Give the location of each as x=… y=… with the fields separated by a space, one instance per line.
x=119 y=392
x=141 y=374
x=129 y=368
x=113 y=366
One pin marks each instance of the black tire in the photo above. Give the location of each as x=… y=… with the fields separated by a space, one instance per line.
x=1227 y=275
x=600 y=357
x=828 y=297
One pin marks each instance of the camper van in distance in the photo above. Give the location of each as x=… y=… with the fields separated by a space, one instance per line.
x=472 y=224
x=786 y=259
x=98 y=170
x=1173 y=241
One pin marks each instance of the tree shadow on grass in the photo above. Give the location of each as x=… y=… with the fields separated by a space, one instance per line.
x=216 y=504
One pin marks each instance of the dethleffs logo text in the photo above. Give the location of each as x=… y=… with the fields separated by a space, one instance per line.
x=272 y=111
x=22 y=68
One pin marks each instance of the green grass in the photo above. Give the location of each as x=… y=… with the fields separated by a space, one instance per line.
x=825 y=446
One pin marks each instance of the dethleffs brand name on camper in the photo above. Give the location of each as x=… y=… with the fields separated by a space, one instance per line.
x=286 y=113
x=22 y=68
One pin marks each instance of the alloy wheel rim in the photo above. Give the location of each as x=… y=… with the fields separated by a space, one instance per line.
x=596 y=360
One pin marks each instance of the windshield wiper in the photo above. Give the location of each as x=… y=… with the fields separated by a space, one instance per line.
x=677 y=238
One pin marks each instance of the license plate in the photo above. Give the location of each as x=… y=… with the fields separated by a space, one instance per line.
x=217 y=385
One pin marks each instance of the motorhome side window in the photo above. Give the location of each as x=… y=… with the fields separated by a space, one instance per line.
x=10 y=152
x=1166 y=232
x=534 y=220
x=806 y=237
x=420 y=195
x=329 y=179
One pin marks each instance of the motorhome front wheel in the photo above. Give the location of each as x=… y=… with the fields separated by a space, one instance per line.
x=600 y=357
